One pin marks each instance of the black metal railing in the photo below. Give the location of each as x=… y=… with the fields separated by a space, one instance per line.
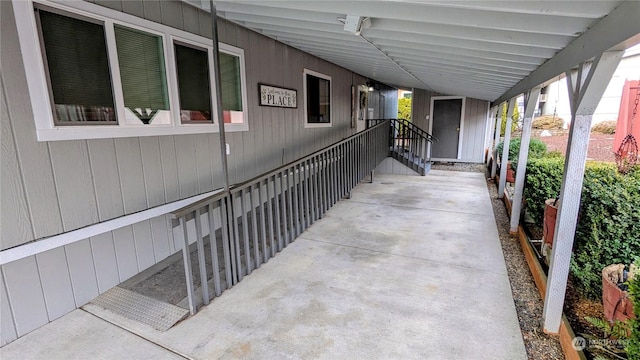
x=408 y=143
x=244 y=228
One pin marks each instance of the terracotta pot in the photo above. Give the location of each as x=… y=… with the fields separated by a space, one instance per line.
x=616 y=302
x=549 y=221
x=511 y=174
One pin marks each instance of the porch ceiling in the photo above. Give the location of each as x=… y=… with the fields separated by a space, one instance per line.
x=483 y=49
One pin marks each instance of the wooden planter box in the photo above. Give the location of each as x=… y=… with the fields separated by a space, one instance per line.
x=617 y=303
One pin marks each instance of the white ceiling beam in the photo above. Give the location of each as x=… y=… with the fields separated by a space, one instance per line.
x=380 y=26
x=490 y=19
x=465 y=73
x=420 y=61
x=482 y=81
x=435 y=76
x=464 y=44
x=381 y=61
x=618 y=30
x=319 y=36
x=521 y=68
x=357 y=43
x=338 y=34
x=574 y=8
x=224 y=7
x=324 y=45
x=481 y=54
x=333 y=26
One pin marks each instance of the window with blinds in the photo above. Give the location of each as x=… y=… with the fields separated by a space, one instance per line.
x=318 y=98
x=78 y=67
x=142 y=72
x=141 y=78
x=194 y=87
x=231 y=88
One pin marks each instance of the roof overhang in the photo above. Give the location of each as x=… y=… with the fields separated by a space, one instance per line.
x=490 y=50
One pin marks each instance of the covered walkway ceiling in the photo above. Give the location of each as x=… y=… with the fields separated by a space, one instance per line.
x=489 y=50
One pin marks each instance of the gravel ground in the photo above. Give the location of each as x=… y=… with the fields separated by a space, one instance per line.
x=529 y=305
x=600 y=146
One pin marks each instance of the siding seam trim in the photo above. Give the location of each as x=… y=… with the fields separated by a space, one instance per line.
x=52 y=242
x=13 y=316
x=23 y=186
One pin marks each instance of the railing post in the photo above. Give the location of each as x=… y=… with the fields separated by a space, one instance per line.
x=186 y=258
x=213 y=243
x=201 y=258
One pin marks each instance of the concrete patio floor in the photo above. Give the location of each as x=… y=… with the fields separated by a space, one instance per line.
x=409 y=268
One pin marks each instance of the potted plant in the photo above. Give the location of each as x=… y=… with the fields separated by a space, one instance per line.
x=511 y=174
x=549 y=220
x=618 y=305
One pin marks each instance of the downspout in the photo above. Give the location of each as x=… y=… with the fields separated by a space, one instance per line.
x=218 y=96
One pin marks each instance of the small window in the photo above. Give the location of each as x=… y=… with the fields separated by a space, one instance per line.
x=143 y=76
x=193 y=84
x=78 y=67
x=317 y=103
x=231 y=88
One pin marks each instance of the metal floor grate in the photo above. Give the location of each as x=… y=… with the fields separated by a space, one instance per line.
x=134 y=306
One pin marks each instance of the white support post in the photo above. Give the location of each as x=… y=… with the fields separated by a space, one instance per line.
x=584 y=94
x=496 y=140
x=505 y=149
x=531 y=102
x=489 y=134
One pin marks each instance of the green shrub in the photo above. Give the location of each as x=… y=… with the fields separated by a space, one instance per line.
x=503 y=118
x=633 y=347
x=554 y=154
x=609 y=228
x=537 y=148
x=605 y=127
x=608 y=231
x=543 y=180
x=548 y=122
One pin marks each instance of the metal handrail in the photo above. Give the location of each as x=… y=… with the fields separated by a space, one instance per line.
x=408 y=143
x=257 y=218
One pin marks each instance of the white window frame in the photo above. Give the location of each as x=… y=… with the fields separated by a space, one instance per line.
x=304 y=86
x=37 y=80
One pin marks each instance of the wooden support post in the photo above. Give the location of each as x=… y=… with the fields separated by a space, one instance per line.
x=585 y=93
x=531 y=102
x=496 y=140
x=505 y=148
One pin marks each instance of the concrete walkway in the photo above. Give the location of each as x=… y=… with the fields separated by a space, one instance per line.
x=409 y=268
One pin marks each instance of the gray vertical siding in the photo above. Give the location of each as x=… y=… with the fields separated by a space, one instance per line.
x=64 y=185
x=473 y=137
x=474 y=123
x=54 y=187
x=7 y=325
x=35 y=168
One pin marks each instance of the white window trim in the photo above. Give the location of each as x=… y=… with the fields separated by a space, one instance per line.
x=38 y=84
x=304 y=86
x=232 y=50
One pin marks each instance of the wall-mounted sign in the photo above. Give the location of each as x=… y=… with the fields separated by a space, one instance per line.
x=277 y=96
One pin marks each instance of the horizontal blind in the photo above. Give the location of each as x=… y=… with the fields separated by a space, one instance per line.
x=76 y=56
x=230 y=81
x=142 y=71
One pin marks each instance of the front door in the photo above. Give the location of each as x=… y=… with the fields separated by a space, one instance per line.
x=446 y=128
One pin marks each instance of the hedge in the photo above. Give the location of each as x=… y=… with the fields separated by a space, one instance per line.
x=633 y=347
x=537 y=149
x=608 y=230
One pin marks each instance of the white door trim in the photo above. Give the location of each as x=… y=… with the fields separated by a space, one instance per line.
x=462 y=114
